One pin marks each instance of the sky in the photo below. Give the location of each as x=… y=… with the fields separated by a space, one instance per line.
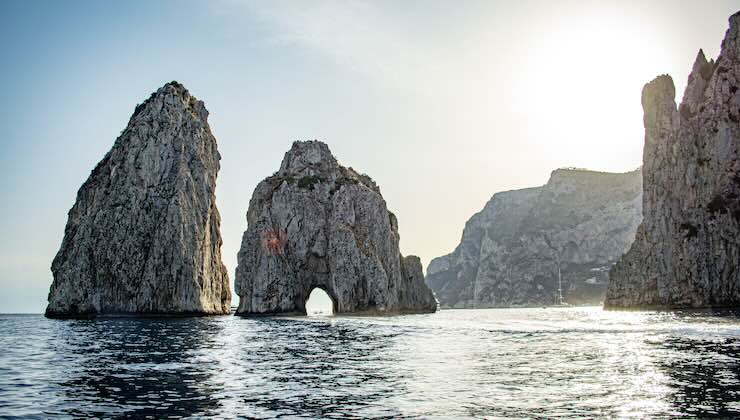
x=443 y=103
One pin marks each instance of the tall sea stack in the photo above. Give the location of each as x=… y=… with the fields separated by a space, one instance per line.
x=315 y=223
x=143 y=236
x=687 y=250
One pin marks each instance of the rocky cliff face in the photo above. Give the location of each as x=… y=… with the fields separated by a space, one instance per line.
x=315 y=223
x=686 y=252
x=581 y=221
x=143 y=236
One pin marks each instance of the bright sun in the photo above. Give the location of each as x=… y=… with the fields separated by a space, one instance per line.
x=586 y=80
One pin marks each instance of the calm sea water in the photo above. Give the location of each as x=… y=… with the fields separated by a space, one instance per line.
x=557 y=362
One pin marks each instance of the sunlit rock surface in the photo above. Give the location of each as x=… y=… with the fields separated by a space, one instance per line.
x=143 y=236
x=510 y=250
x=315 y=223
x=687 y=249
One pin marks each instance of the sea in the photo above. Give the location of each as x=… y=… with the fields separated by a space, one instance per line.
x=490 y=363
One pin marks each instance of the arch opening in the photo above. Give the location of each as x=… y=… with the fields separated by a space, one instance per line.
x=319 y=303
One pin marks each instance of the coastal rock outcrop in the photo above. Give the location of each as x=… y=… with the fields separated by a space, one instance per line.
x=579 y=223
x=143 y=236
x=315 y=223
x=687 y=250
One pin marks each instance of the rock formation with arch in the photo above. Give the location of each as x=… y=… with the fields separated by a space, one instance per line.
x=315 y=223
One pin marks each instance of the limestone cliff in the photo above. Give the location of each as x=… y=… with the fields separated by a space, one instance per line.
x=315 y=223
x=143 y=236
x=687 y=249
x=580 y=221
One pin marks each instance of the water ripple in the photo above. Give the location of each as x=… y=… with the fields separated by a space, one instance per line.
x=554 y=363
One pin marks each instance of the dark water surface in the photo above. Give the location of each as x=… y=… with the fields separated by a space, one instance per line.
x=557 y=362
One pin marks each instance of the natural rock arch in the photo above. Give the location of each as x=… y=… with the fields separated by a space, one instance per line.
x=334 y=306
x=315 y=223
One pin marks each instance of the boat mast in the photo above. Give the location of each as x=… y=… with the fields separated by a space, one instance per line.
x=556 y=252
x=560 y=284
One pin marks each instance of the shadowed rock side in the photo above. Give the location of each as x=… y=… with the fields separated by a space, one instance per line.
x=687 y=251
x=510 y=250
x=315 y=223
x=143 y=236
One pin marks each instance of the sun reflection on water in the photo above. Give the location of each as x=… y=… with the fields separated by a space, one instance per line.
x=556 y=362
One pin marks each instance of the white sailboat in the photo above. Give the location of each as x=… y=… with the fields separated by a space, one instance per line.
x=556 y=252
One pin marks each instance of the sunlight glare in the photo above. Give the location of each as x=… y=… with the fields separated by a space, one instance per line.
x=584 y=71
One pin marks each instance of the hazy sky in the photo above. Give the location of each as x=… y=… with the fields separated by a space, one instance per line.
x=442 y=103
